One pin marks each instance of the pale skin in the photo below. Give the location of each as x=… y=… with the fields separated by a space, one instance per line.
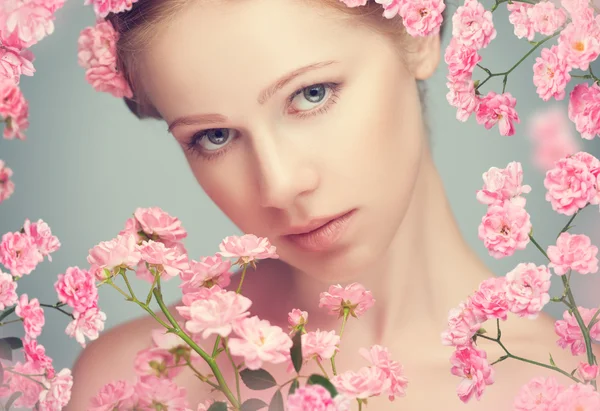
x=368 y=151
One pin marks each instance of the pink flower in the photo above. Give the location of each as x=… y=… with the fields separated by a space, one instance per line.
x=501 y=184
x=552 y=138
x=575 y=7
x=155 y=362
x=7 y=187
x=587 y=372
x=30 y=389
x=86 y=324
x=8 y=293
x=498 y=109
x=463 y=323
x=527 y=288
x=215 y=314
x=111 y=396
x=120 y=252
x=461 y=60
x=489 y=301
x=19 y=254
x=14 y=109
x=538 y=394
x=519 y=18
x=551 y=74
x=259 y=342
x=504 y=229
x=472 y=25
x=36 y=353
x=297 y=318
x=391 y=8
x=380 y=357
x=570 y=184
x=362 y=384
x=32 y=314
x=573 y=252
x=45 y=242
x=103 y=8
x=322 y=344
x=570 y=334
x=584 y=109
x=58 y=395
x=158 y=225
x=354 y=297
x=15 y=63
x=206 y=273
x=77 y=289
x=167 y=261
x=97 y=55
x=546 y=18
x=311 y=397
x=247 y=248
x=579 y=44
x=462 y=96
x=471 y=364
x=422 y=17
x=27 y=22
x=578 y=397
x=161 y=393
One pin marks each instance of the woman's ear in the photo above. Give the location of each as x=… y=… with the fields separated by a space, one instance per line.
x=423 y=56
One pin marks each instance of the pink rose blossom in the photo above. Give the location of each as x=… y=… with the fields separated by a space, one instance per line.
x=58 y=395
x=462 y=96
x=504 y=229
x=498 y=109
x=353 y=297
x=527 y=288
x=19 y=254
x=77 y=288
x=297 y=318
x=97 y=55
x=571 y=185
x=87 y=324
x=155 y=362
x=520 y=19
x=463 y=323
x=573 y=252
x=112 y=395
x=579 y=44
x=570 y=334
x=14 y=109
x=472 y=25
x=551 y=74
x=15 y=63
x=322 y=344
x=578 y=397
x=197 y=295
x=362 y=384
x=36 y=353
x=546 y=18
x=27 y=22
x=538 y=394
x=7 y=187
x=32 y=314
x=30 y=390
x=103 y=8
x=575 y=7
x=489 y=301
x=501 y=184
x=587 y=372
x=247 y=248
x=8 y=293
x=161 y=393
x=381 y=358
x=215 y=314
x=552 y=137
x=584 y=109
x=311 y=398
x=471 y=364
x=45 y=242
x=422 y=17
x=206 y=273
x=461 y=60
x=391 y=8
x=120 y=252
x=259 y=342
x=158 y=225
x=168 y=261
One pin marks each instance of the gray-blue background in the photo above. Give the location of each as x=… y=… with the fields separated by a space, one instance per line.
x=88 y=163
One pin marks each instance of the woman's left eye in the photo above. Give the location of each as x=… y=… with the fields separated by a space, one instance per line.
x=317 y=96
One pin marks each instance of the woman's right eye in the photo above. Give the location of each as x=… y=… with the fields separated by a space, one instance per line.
x=212 y=139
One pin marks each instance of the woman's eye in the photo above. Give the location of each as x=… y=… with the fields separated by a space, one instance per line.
x=310 y=97
x=213 y=139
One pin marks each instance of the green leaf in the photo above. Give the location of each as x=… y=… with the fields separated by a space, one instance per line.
x=324 y=382
x=276 y=402
x=296 y=351
x=293 y=387
x=257 y=379
x=218 y=406
x=552 y=363
x=8 y=312
x=253 y=404
x=12 y=399
x=14 y=342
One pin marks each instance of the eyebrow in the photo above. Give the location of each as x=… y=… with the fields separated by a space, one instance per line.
x=263 y=97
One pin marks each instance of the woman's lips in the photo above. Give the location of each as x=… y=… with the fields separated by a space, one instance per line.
x=323 y=237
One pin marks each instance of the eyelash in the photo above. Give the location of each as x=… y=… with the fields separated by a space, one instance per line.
x=334 y=89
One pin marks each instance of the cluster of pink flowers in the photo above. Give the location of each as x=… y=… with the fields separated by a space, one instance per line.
x=548 y=394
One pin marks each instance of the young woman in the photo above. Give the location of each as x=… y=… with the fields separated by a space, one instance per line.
x=302 y=120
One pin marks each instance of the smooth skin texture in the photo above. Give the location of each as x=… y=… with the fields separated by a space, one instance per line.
x=359 y=142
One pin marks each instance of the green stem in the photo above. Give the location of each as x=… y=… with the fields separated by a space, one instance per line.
x=216 y=346
x=18 y=320
x=539 y=247
x=321 y=367
x=239 y=289
x=8 y=312
x=235 y=369
x=344 y=320
x=57 y=307
x=149 y=297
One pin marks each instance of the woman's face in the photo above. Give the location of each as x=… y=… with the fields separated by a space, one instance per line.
x=289 y=116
